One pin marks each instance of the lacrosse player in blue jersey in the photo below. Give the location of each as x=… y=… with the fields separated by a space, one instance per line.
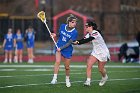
x=18 y=42
x=67 y=34
x=30 y=39
x=8 y=45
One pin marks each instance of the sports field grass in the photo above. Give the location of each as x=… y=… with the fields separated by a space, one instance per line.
x=35 y=78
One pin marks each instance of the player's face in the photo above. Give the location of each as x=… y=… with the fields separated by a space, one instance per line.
x=18 y=31
x=89 y=28
x=72 y=23
x=30 y=30
x=9 y=31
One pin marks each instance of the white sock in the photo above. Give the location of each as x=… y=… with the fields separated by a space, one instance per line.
x=67 y=77
x=5 y=59
x=20 y=60
x=10 y=60
x=55 y=76
x=29 y=59
x=32 y=60
x=105 y=76
x=15 y=57
x=88 y=79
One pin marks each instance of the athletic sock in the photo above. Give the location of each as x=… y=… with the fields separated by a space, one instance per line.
x=67 y=78
x=5 y=60
x=55 y=76
x=88 y=79
x=10 y=60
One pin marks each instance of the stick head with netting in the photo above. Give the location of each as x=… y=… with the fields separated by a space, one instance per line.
x=41 y=16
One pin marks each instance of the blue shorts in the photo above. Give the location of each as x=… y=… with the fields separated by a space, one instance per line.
x=19 y=47
x=30 y=44
x=8 y=48
x=66 y=54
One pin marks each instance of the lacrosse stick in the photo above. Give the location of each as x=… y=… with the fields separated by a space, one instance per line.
x=41 y=16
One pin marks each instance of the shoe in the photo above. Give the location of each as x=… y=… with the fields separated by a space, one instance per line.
x=103 y=81
x=10 y=61
x=20 y=61
x=54 y=81
x=68 y=84
x=87 y=83
x=5 y=61
x=30 y=61
x=15 y=59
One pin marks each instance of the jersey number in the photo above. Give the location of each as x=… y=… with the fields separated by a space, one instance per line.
x=64 y=39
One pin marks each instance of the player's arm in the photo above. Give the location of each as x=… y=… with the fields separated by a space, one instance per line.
x=14 y=42
x=67 y=44
x=84 y=40
x=4 y=43
x=26 y=35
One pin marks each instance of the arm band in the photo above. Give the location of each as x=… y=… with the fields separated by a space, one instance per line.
x=66 y=45
x=82 y=41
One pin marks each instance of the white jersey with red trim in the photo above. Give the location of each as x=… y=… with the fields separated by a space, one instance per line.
x=100 y=50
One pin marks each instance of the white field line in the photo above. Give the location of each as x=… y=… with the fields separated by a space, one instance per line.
x=70 y=73
x=43 y=69
x=73 y=66
x=26 y=85
x=39 y=75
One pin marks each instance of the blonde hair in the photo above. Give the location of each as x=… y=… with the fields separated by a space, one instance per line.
x=71 y=18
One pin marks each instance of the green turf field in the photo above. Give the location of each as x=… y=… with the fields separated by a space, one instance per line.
x=35 y=78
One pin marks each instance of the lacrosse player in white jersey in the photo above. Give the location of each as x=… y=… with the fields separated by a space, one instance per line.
x=100 y=52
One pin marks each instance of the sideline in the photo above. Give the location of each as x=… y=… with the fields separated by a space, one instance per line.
x=73 y=66
x=26 y=85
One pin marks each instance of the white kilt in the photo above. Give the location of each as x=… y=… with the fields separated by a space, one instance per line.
x=102 y=57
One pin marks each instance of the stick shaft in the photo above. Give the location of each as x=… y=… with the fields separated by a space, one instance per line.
x=50 y=34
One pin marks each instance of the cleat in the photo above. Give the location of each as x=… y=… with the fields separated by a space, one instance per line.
x=103 y=81
x=68 y=84
x=30 y=61
x=54 y=81
x=15 y=59
x=5 y=61
x=87 y=83
x=20 y=61
x=10 y=61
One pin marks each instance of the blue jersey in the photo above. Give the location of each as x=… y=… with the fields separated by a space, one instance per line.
x=9 y=41
x=19 y=41
x=64 y=37
x=30 y=39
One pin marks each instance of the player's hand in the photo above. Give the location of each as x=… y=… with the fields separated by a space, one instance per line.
x=75 y=42
x=0 y=46
x=58 y=49
x=26 y=31
x=53 y=34
x=14 y=45
x=3 y=45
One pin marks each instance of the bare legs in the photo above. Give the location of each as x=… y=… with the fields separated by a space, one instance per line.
x=90 y=62
x=56 y=69
x=8 y=53
x=30 y=55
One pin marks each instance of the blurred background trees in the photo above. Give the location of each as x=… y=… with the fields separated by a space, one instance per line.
x=119 y=20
